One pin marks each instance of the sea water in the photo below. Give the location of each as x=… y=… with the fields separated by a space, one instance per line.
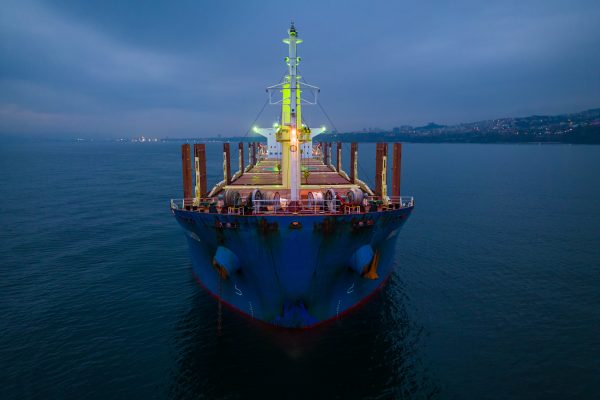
x=495 y=294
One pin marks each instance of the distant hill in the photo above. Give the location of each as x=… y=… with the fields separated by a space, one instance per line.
x=581 y=127
x=429 y=126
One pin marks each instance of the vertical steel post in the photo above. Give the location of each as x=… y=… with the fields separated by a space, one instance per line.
x=226 y=164
x=381 y=170
x=241 y=157
x=250 y=154
x=200 y=166
x=353 y=162
x=396 y=169
x=378 y=157
x=338 y=161
x=325 y=153
x=254 y=146
x=186 y=170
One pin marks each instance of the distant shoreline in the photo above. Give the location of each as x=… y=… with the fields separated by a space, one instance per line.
x=324 y=138
x=587 y=135
x=577 y=128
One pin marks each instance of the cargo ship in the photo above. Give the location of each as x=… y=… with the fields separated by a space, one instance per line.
x=291 y=239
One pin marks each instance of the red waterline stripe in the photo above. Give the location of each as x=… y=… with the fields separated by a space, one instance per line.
x=353 y=307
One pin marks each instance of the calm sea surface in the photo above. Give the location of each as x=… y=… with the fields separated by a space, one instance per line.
x=496 y=292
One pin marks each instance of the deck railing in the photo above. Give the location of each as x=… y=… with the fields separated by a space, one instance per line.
x=284 y=206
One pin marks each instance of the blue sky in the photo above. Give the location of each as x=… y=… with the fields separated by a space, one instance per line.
x=199 y=68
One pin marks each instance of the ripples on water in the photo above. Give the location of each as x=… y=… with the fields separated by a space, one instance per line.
x=372 y=354
x=495 y=295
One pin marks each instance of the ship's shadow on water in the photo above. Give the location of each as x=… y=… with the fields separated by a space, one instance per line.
x=372 y=352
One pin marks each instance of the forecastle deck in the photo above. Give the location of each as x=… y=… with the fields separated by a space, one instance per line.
x=258 y=187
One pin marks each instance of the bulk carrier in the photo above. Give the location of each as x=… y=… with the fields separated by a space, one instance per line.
x=290 y=238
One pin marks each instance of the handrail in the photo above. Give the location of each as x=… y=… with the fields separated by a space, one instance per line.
x=370 y=204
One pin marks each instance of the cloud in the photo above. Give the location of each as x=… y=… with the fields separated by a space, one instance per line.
x=200 y=69
x=39 y=38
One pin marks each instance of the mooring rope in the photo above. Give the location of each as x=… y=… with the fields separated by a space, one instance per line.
x=256 y=118
x=362 y=174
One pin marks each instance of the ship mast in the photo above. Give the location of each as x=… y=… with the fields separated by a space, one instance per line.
x=291 y=134
x=291 y=119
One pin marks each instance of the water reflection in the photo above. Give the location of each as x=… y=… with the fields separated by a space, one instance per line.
x=372 y=352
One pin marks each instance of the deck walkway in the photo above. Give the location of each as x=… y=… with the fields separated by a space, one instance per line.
x=265 y=172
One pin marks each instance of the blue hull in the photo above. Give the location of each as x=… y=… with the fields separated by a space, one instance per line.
x=292 y=270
